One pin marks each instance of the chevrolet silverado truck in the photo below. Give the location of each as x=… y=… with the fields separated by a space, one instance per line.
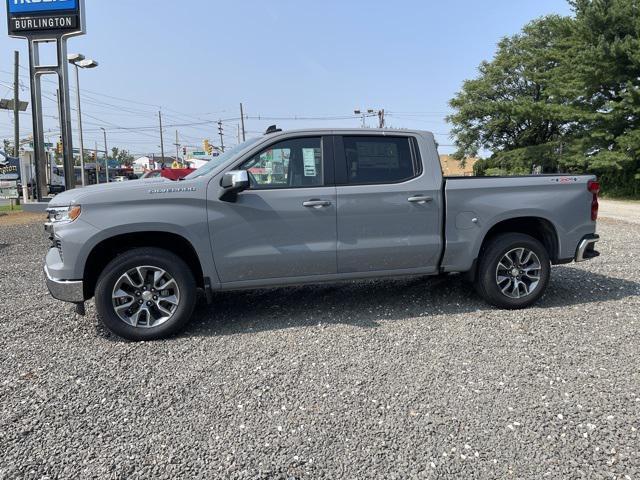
x=310 y=206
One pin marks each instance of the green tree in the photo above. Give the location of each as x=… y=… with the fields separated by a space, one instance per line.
x=563 y=94
x=513 y=104
x=123 y=157
x=606 y=66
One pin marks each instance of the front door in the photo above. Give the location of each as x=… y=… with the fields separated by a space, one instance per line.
x=284 y=225
x=388 y=207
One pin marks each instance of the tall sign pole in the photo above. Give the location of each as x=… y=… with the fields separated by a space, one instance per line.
x=42 y=22
x=16 y=105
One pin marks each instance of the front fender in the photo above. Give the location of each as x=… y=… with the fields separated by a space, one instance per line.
x=196 y=235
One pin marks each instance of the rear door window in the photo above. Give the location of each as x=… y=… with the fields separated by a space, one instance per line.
x=379 y=160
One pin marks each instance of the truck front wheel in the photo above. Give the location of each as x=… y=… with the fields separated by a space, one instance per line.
x=513 y=271
x=146 y=294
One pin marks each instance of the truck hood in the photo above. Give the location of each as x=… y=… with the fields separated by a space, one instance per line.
x=105 y=190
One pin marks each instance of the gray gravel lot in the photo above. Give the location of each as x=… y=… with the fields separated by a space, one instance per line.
x=379 y=379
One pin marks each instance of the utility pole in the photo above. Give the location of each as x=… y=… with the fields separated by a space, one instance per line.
x=95 y=153
x=106 y=153
x=16 y=105
x=161 y=138
x=221 y=135
x=177 y=144
x=381 y=118
x=242 y=120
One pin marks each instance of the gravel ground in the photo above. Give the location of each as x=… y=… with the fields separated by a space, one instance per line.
x=624 y=210
x=386 y=379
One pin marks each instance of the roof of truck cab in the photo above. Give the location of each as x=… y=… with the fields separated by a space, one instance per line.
x=361 y=131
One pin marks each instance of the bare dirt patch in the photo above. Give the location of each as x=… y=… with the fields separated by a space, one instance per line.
x=20 y=218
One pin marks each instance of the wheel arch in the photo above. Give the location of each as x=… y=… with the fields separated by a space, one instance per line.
x=537 y=227
x=106 y=250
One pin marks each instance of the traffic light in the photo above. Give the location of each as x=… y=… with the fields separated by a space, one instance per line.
x=184 y=151
x=59 y=148
x=206 y=146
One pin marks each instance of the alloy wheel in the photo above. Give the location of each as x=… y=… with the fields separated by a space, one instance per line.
x=518 y=273
x=145 y=297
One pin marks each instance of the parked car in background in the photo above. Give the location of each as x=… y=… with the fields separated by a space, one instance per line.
x=311 y=206
x=170 y=173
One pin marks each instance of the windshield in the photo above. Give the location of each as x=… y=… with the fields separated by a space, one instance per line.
x=219 y=160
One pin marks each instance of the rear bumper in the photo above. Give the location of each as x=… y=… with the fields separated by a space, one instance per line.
x=65 y=290
x=586 y=248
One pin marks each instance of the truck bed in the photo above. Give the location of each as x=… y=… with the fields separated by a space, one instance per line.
x=475 y=205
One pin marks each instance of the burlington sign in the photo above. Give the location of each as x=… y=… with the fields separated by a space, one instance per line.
x=34 y=17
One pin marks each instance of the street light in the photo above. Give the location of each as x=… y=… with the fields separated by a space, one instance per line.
x=364 y=114
x=79 y=61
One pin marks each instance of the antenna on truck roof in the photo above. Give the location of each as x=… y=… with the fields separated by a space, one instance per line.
x=272 y=129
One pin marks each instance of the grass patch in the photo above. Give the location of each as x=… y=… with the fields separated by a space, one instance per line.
x=7 y=208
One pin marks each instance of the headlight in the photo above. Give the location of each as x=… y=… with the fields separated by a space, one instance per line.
x=63 y=214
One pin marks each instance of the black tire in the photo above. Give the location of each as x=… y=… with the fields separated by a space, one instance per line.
x=155 y=257
x=486 y=280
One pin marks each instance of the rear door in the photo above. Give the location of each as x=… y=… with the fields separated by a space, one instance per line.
x=284 y=226
x=388 y=206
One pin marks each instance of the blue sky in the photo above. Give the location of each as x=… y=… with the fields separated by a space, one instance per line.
x=199 y=59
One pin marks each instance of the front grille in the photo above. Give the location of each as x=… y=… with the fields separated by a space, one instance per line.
x=48 y=228
x=58 y=244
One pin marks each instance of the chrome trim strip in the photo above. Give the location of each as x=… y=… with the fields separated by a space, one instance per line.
x=65 y=290
x=582 y=247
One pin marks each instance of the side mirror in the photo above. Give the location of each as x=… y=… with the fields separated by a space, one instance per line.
x=234 y=182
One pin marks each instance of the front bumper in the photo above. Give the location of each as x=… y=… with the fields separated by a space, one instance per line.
x=586 y=248
x=65 y=290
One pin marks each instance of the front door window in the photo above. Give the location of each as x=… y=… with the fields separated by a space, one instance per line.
x=295 y=163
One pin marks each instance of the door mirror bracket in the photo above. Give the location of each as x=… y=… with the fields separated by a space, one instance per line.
x=234 y=182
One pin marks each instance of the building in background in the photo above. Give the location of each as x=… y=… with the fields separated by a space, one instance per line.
x=451 y=167
x=198 y=159
x=144 y=164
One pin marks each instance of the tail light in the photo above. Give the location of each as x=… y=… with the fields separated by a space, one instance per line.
x=594 y=188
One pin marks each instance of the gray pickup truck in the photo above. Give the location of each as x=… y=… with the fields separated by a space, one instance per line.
x=310 y=206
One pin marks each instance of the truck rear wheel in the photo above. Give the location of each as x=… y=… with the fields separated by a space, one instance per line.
x=513 y=272
x=146 y=294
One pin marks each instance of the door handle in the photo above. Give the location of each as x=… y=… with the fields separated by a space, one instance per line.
x=422 y=199
x=315 y=203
